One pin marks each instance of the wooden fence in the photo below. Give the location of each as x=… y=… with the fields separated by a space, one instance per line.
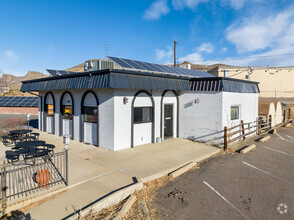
x=243 y=130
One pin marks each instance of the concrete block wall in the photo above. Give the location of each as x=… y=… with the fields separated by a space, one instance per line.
x=106 y=114
x=200 y=115
x=248 y=103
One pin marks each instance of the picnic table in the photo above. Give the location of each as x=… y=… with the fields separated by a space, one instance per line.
x=20 y=132
x=30 y=144
x=20 y=135
x=30 y=149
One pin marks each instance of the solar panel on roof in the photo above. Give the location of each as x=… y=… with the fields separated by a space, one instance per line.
x=60 y=72
x=17 y=101
x=53 y=72
x=139 y=65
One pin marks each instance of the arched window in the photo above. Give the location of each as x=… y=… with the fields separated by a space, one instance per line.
x=49 y=105
x=89 y=108
x=89 y=118
x=49 y=109
x=66 y=107
x=142 y=119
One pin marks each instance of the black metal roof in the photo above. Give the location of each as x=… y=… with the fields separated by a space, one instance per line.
x=108 y=79
x=217 y=84
x=128 y=79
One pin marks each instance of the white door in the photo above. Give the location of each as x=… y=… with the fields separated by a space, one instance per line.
x=49 y=124
x=90 y=133
x=67 y=127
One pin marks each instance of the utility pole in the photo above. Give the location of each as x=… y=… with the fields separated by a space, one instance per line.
x=175 y=56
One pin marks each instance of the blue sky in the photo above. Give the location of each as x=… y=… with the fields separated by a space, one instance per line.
x=57 y=34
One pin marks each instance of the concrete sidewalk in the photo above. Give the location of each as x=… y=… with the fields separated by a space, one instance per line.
x=95 y=173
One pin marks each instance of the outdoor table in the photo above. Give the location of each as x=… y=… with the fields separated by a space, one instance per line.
x=20 y=132
x=30 y=149
x=30 y=144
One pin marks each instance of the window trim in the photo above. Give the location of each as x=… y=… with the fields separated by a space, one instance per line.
x=83 y=113
x=63 y=112
x=151 y=112
x=239 y=112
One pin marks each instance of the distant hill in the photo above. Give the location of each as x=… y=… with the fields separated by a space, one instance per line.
x=77 y=68
x=10 y=84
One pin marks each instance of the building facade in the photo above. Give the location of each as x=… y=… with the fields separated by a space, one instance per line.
x=274 y=82
x=118 y=109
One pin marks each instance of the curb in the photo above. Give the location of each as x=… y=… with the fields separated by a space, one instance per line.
x=126 y=207
x=264 y=139
x=247 y=149
x=113 y=199
x=182 y=170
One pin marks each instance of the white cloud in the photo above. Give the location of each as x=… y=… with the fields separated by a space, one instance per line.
x=192 y=58
x=205 y=47
x=11 y=56
x=257 y=33
x=164 y=55
x=224 y=49
x=156 y=10
x=191 y=4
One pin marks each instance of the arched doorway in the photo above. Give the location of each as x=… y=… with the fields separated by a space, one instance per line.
x=49 y=107
x=89 y=118
x=142 y=119
x=169 y=115
x=66 y=114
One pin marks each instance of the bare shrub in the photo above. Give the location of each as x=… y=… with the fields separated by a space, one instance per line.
x=11 y=124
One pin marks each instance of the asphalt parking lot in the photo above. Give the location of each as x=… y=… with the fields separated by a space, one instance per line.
x=256 y=185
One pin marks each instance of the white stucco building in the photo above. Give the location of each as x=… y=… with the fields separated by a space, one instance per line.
x=123 y=108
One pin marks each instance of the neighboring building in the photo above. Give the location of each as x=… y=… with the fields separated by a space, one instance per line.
x=274 y=82
x=122 y=108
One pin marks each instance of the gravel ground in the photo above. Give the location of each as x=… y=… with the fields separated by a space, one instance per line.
x=256 y=185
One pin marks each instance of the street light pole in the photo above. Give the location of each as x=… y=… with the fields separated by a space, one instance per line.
x=66 y=140
x=28 y=119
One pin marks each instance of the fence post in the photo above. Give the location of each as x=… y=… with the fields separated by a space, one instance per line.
x=270 y=121
x=3 y=189
x=225 y=138
x=259 y=121
x=242 y=128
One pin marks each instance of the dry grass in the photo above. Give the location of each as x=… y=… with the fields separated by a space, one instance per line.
x=11 y=124
x=107 y=213
x=146 y=193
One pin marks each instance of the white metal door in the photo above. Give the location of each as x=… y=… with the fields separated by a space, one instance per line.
x=49 y=124
x=90 y=133
x=67 y=127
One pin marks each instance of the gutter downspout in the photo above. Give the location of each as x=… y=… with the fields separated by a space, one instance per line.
x=41 y=110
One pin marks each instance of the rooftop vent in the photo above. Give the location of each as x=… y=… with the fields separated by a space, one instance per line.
x=92 y=65
x=185 y=66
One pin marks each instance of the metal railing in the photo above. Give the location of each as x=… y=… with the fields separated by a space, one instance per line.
x=23 y=178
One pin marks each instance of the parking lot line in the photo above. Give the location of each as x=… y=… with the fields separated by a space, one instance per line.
x=278 y=151
x=285 y=140
x=280 y=137
x=227 y=201
x=290 y=137
x=267 y=173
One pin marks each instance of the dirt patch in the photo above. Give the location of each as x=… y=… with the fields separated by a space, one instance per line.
x=11 y=124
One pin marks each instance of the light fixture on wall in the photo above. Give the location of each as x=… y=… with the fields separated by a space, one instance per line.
x=125 y=100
